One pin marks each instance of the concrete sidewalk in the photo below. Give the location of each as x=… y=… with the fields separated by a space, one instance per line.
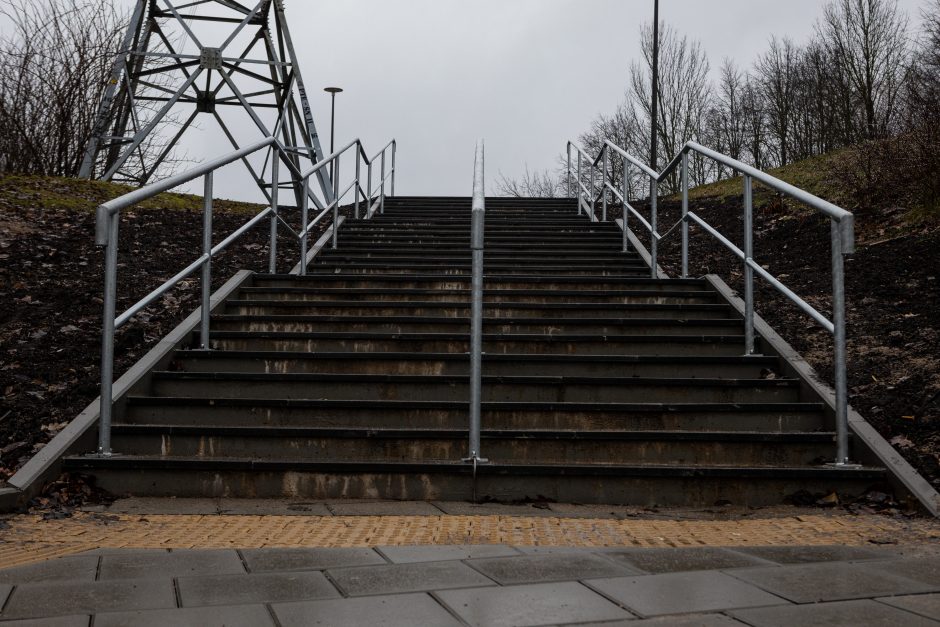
x=478 y=585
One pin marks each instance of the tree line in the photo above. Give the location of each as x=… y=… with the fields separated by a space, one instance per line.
x=866 y=75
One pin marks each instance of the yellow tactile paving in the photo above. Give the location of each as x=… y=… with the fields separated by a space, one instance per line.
x=30 y=539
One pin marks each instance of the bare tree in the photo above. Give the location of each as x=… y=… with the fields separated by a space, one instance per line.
x=538 y=184
x=727 y=123
x=777 y=76
x=868 y=40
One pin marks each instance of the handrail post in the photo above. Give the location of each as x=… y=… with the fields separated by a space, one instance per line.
x=478 y=217
x=382 y=201
x=839 y=350
x=568 y=179
x=107 y=336
x=207 y=266
x=748 y=271
x=358 y=172
x=394 y=169
x=685 y=215
x=604 y=186
x=336 y=203
x=369 y=193
x=626 y=212
x=580 y=193
x=275 y=188
x=654 y=243
x=304 y=218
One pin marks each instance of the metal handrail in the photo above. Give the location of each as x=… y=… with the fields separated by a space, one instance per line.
x=842 y=236
x=108 y=220
x=478 y=218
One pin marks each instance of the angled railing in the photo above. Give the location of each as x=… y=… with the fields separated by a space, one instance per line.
x=842 y=236
x=109 y=217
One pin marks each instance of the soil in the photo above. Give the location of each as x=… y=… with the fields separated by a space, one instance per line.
x=50 y=306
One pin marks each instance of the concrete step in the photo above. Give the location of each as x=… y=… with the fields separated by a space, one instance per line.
x=679 y=345
x=420 y=414
x=749 y=367
x=704 y=449
x=517 y=281
x=464 y=268
x=651 y=485
x=540 y=389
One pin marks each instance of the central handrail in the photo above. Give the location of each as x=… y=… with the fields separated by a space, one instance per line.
x=842 y=236
x=477 y=231
x=108 y=218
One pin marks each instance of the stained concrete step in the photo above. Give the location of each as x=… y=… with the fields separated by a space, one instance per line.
x=529 y=446
x=428 y=324
x=463 y=268
x=420 y=414
x=517 y=281
x=651 y=484
x=538 y=389
x=744 y=367
x=574 y=344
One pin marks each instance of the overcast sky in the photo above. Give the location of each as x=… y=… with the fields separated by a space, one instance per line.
x=525 y=75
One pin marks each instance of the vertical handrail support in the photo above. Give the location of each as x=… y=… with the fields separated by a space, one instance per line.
x=478 y=217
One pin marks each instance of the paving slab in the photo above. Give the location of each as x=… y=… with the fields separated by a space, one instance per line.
x=41 y=600
x=413 y=554
x=73 y=568
x=394 y=578
x=810 y=554
x=383 y=508
x=5 y=591
x=276 y=560
x=157 y=505
x=924 y=569
x=464 y=508
x=546 y=568
x=537 y=604
x=241 y=616
x=683 y=593
x=260 y=588
x=862 y=612
x=688 y=620
x=272 y=507
x=58 y=621
x=683 y=559
x=158 y=565
x=831 y=581
x=927 y=605
x=400 y=610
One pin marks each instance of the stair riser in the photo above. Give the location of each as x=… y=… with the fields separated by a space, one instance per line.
x=460 y=391
x=221 y=363
x=490 y=311
x=555 y=327
x=464 y=269
x=536 y=298
x=640 y=491
x=377 y=418
x=458 y=289
x=540 y=347
x=708 y=453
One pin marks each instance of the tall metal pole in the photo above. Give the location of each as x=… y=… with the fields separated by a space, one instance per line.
x=332 y=91
x=476 y=310
x=654 y=110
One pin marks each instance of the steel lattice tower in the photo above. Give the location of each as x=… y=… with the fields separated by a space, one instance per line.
x=166 y=70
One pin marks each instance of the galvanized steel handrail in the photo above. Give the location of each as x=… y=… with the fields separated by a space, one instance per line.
x=477 y=229
x=842 y=237
x=108 y=223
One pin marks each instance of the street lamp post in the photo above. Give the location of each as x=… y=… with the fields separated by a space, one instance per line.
x=654 y=161
x=332 y=91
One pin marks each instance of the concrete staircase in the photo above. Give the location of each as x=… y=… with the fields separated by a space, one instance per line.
x=601 y=385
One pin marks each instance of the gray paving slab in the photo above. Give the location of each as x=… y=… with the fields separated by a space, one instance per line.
x=272 y=507
x=240 y=616
x=683 y=559
x=5 y=591
x=159 y=565
x=924 y=604
x=412 y=554
x=810 y=554
x=383 y=508
x=74 y=568
x=463 y=508
x=689 y=620
x=394 y=578
x=155 y=505
x=924 y=569
x=58 y=621
x=830 y=581
x=683 y=593
x=527 y=605
x=42 y=600
x=400 y=610
x=546 y=568
x=260 y=588
x=275 y=560
x=861 y=612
